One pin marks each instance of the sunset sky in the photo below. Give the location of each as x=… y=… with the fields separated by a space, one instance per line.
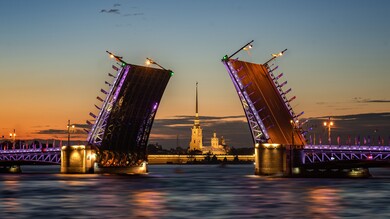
x=53 y=61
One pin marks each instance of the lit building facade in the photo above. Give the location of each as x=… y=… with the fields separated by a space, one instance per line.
x=196 y=143
x=218 y=146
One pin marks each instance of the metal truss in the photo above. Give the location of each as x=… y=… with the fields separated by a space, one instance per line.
x=326 y=153
x=259 y=132
x=95 y=136
x=45 y=155
x=144 y=131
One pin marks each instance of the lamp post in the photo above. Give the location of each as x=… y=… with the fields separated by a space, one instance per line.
x=293 y=124
x=69 y=129
x=150 y=61
x=329 y=124
x=274 y=56
x=13 y=137
x=245 y=47
x=117 y=58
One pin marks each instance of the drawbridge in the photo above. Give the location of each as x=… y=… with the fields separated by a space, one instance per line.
x=122 y=126
x=267 y=108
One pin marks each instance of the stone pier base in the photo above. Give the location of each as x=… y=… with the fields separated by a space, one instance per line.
x=271 y=159
x=77 y=159
x=141 y=169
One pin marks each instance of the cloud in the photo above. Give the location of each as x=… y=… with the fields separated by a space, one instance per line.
x=82 y=126
x=378 y=101
x=368 y=100
x=366 y=124
x=59 y=132
x=171 y=131
x=126 y=13
x=52 y=131
x=110 y=11
x=133 y=14
x=174 y=131
x=177 y=130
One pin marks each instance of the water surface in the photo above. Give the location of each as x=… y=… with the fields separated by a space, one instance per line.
x=190 y=191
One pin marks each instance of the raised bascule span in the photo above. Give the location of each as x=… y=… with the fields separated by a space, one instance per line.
x=121 y=129
x=270 y=117
x=123 y=125
x=266 y=107
x=278 y=137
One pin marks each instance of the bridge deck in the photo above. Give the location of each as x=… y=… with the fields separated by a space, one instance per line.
x=348 y=147
x=267 y=100
x=332 y=153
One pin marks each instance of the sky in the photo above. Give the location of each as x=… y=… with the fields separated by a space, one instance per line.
x=53 y=61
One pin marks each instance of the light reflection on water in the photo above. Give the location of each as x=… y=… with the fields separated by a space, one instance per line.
x=170 y=191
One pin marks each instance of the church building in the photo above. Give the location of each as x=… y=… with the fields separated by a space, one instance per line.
x=217 y=146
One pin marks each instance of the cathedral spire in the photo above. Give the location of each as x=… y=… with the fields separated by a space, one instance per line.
x=196 y=142
x=196 y=110
x=196 y=121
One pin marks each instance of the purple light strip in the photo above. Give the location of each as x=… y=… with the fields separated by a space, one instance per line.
x=239 y=87
x=347 y=147
x=123 y=78
x=103 y=110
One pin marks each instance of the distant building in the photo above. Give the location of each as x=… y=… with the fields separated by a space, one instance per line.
x=218 y=146
x=196 y=143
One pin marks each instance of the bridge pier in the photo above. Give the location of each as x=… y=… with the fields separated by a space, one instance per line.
x=135 y=169
x=272 y=159
x=284 y=160
x=77 y=159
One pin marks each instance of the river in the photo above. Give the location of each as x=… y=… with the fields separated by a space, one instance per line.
x=190 y=191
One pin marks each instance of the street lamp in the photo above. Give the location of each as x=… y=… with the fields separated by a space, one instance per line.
x=294 y=125
x=150 y=61
x=329 y=124
x=117 y=58
x=69 y=129
x=13 y=136
x=276 y=55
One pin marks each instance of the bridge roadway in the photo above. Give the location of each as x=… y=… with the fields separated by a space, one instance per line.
x=310 y=154
x=327 y=153
x=31 y=156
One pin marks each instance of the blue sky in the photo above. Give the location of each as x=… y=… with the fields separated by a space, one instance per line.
x=53 y=61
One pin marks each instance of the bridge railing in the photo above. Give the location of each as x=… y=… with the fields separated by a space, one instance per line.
x=326 y=153
x=348 y=147
x=32 y=150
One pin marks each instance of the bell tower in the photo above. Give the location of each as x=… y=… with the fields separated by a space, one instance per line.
x=196 y=136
